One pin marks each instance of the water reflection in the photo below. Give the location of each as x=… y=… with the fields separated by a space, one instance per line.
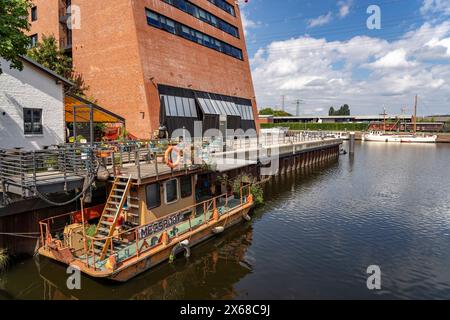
x=320 y=229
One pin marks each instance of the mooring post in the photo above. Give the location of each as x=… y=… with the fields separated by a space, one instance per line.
x=352 y=143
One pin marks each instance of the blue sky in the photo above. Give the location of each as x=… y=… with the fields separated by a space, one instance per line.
x=323 y=53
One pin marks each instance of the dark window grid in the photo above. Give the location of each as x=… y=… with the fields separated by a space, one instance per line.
x=34 y=16
x=153 y=196
x=33 y=40
x=204 y=16
x=32 y=119
x=186 y=186
x=171 y=190
x=195 y=36
x=222 y=4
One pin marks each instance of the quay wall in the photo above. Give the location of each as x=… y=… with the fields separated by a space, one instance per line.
x=24 y=216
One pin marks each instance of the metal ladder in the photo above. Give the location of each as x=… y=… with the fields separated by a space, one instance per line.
x=108 y=221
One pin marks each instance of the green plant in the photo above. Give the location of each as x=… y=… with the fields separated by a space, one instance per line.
x=258 y=194
x=255 y=189
x=90 y=232
x=117 y=159
x=4 y=259
x=51 y=162
x=50 y=55
x=13 y=25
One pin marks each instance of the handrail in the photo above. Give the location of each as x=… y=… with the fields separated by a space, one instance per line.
x=46 y=230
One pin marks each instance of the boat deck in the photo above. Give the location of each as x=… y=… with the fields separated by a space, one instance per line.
x=128 y=249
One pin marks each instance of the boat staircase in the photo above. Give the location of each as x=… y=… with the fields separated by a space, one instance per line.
x=123 y=196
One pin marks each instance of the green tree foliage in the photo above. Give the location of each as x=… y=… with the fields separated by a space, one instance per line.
x=318 y=126
x=342 y=111
x=3 y=259
x=275 y=113
x=13 y=24
x=52 y=57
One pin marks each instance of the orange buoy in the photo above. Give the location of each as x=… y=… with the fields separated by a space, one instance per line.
x=111 y=263
x=168 y=159
x=165 y=238
x=216 y=215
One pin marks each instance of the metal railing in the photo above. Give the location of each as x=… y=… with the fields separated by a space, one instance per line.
x=188 y=219
x=28 y=169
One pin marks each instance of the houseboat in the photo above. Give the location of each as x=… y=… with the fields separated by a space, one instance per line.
x=155 y=210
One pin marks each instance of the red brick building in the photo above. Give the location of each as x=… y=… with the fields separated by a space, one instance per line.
x=157 y=61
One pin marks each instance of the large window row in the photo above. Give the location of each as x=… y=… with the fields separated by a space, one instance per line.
x=174 y=190
x=179 y=106
x=161 y=22
x=205 y=16
x=222 y=4
x=212 y=104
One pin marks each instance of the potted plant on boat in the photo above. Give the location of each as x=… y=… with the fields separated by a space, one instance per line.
x=117 y=164
x=104 y=151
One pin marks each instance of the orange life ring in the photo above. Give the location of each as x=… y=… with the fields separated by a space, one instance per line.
x=167 y=159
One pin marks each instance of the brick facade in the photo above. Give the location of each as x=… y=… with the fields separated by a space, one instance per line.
x=123 y=59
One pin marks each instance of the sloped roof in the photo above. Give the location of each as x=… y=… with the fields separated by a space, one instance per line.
x=47 y=70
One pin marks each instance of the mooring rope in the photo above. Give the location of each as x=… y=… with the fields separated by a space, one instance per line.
x=53 y=203
x=18 y=235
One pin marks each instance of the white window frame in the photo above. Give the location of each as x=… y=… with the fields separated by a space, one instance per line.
x=178 y=191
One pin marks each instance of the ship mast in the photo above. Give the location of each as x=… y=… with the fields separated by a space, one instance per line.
x=415 y=115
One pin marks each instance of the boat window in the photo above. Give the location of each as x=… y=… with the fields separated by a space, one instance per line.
x=186 y=186
x=153 y=196
x=171 y=191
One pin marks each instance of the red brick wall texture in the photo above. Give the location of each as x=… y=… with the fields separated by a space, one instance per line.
x=123 y=59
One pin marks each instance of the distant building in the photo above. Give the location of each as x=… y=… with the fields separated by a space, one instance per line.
x=333 y=119
x=31 y=106
x=157 y=62
x=375 y=122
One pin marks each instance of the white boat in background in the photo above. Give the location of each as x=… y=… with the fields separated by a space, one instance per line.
x=381 y=137
x=402 y=138
x=420 y=139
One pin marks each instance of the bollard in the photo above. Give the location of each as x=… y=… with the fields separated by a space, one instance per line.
x=352 y=143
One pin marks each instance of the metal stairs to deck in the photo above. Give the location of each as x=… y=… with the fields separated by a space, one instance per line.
x=110 y=216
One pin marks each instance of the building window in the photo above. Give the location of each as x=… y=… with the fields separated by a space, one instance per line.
x=34 y=13
x=33 y=40
x=171 y=191
x=222 y=4
x=204 y=15
x=186 y=186
x=161 y=22
x=32 y=121
x=179 y=106
x=153 y=195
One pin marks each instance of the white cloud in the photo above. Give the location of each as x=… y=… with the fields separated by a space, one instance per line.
x=365 y=72
x=435 y=7
x=393 y=59
x=344 y=8
x=321 y=20
x=248 y=23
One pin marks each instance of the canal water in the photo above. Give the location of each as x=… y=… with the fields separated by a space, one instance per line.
x=388 y=205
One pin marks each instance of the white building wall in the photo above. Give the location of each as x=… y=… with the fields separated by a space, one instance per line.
x=30 y=88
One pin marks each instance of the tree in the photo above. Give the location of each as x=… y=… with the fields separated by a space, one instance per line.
x=342 y=111
x=275 y=113
x=13 y=24
x=52 y=57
